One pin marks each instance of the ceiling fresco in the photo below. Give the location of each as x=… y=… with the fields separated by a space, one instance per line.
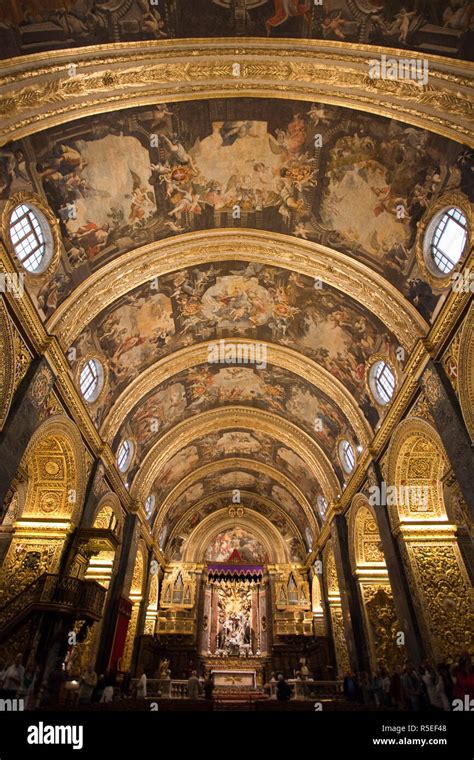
x=207 y=387
x=444 y=27
x=277 y=506
x=234 y=299
x=218 y=446
x=353 y=182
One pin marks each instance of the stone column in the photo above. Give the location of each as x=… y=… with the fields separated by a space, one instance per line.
x=356 y=639
x=131 y=526
x=23 y=420
x=327 y=617
x=141 y=614
x=402 y=596
x=444 y=407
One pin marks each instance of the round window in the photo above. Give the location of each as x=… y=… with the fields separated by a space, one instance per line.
x=382 y=382
x=149 y=506
x=125 y=455
x=322 y=503
x=31 y=238
x=446 y=239
x=91 y=380
x=347 y=456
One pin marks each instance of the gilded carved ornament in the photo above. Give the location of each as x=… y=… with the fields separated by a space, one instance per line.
x=132 y=269
x=7 y=363
x=235 y=510
x=259 y=526
x=280 y=356
x=132 y=74
x=228 y=418
x=235 y=463
x=466 y=372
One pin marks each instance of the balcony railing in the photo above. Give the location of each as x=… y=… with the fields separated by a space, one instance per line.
x=82 y=598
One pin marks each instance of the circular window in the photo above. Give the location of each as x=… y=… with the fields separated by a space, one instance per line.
x=446 y=237
x=31 y=238
x=322 y=506
x=382 y=382
x=347 y=456
x=125 y=455
x=91 y=380
x=149 y=506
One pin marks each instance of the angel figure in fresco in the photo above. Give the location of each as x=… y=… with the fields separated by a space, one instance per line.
x=142 y=202
x=179 y=152
x=334 y=26
x=151 y=20
x=285 y=9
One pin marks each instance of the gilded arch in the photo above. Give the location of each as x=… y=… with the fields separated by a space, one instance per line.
x=260 y=527
x=466 y=372
x=7 y=364
x=235 y=463
x=233 y=417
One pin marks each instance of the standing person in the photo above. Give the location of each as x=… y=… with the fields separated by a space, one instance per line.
x=87 y=685
x=365 y=687
x=13 y=677
x=377 y=687
x=283 y=689
x=110 y=679
x=412 y=686
x=350 y=687
x=194 y=687
x=125 y=688
x=209 y=686
x=396 y=690
x=141 y=686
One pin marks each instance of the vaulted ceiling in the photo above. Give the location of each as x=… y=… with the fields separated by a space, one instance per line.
x=287 y=222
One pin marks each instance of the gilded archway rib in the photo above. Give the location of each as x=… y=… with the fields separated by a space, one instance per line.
x=34 y=97
x=262 y=528
x=194 y=249
x=192 y=356
x=231 y=418
x=237 y=463
x=246 y=496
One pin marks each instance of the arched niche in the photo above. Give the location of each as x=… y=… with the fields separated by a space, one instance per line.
x=466 y=372
x=52 y=477
x=428 y=543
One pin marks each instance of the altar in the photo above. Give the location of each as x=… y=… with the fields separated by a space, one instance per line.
x=235 y=679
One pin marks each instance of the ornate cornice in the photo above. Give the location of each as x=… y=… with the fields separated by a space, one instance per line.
x=192 y=356
x=237 y=463
x=34 y=97
x=271 y=249
x=229 y=418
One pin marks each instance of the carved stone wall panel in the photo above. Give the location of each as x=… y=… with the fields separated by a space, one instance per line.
x=382 y=625
x=445 y=592
x=340 y=644
x=27 y=558
x=36 y=96
x=466 y=372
